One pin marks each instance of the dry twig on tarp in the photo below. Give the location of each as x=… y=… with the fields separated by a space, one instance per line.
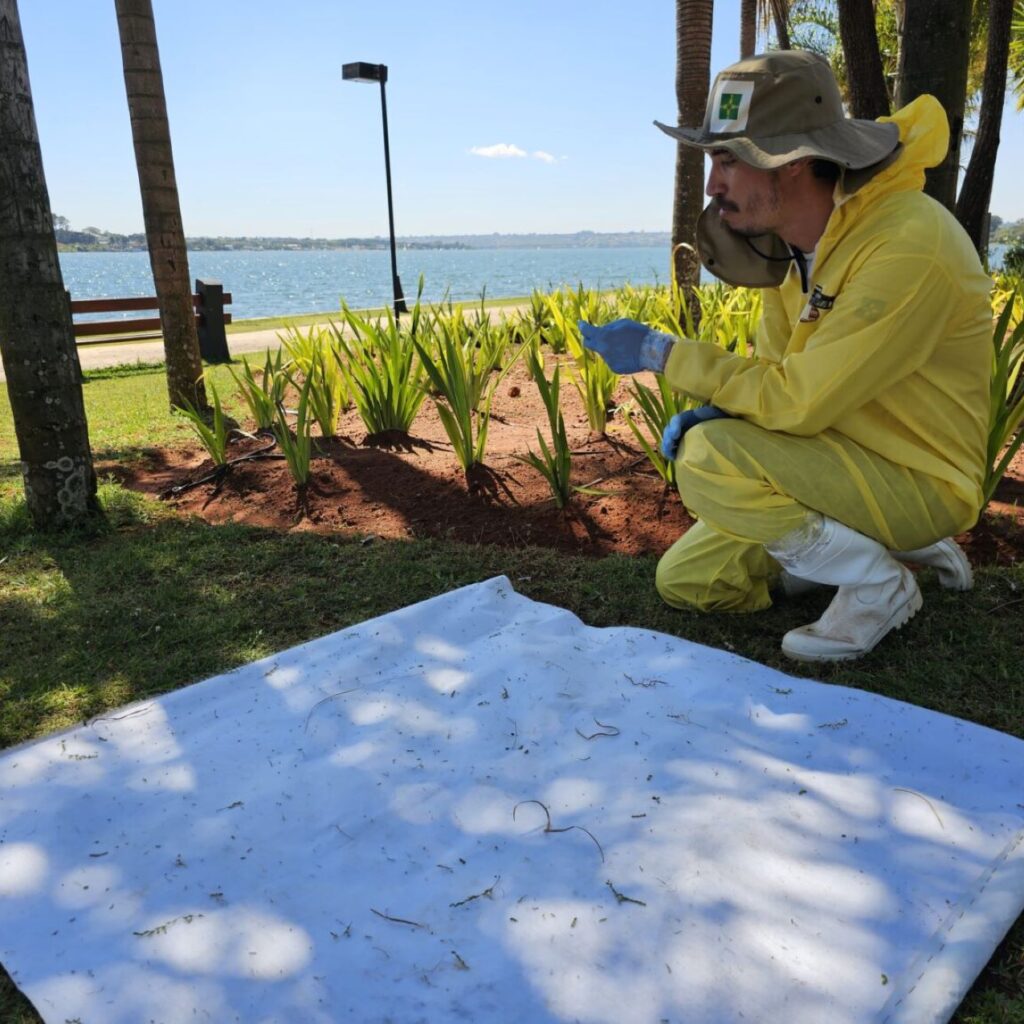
x=568 y=828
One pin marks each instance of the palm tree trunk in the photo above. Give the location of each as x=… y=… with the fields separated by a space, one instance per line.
x=780 y=18
x=972 y=204
x=37 y=341
x=165 y=236
x=748 y=28
x=865 y=78
x=936 y=46
x=693 y=80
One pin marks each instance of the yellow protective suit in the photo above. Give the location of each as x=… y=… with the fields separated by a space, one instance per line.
x=867 y=400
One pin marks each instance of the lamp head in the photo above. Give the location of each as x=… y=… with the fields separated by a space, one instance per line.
x=361 y=71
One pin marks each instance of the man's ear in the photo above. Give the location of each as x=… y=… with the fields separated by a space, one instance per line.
x=799 y=166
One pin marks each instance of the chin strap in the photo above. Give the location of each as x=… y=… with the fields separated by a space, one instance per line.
x=794 y=254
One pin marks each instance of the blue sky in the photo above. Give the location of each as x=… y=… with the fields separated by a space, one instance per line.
x=268 y=139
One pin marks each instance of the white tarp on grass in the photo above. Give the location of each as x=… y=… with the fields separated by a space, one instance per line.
x=479 y=809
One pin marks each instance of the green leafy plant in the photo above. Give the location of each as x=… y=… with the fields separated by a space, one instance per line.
x=656 y=409
x=311 y=353
x=454 y=373
x=296 y=443
x=451 y=373
x=554 y=463
x=1013 y=258
x=535 y=321
x=382 y=373
x=261 y=394
x=213 y=433
x=593 y=379
x=328 y=391
x=1006 y=395
x=451 y=330
x=303 y=346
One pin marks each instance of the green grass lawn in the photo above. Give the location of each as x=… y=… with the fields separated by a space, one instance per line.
x=153 y=602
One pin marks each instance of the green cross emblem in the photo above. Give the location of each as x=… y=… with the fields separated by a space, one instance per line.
x=729 y=106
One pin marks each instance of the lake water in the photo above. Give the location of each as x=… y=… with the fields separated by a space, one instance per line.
x=281 y=283
x=284 y=283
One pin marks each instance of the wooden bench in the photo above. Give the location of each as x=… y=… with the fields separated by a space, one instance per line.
x=208 y=301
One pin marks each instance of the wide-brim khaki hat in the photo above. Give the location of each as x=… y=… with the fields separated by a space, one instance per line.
x=777 y=107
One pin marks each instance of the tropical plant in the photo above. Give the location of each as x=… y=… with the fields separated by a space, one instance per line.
x=482 y=345
x=296 y=443
x=1013 y=258
x=1006 y=408
x=381 y=371
x=302 y=346
x=728 y=317
x=1016 y=57
x=211 y=429
x=556 y=327
x=535 y=321
x=554 y=463
x=328 y=392
x=656 y=409
x=452 y=374
x=592 y=378
x=263 y=393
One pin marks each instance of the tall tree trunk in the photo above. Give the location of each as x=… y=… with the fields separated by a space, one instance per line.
x=972 y=204
x=748 y=28
x=693 y=80
x=165 y=236
x=866 y=80
x=37 y=341
x=936 y=46
x=780 y=19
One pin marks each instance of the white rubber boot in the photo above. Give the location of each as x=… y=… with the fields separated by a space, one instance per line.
x=945 y=556
x=876 y=594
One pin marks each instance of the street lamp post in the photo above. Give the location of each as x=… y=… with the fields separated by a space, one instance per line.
x=360 y=71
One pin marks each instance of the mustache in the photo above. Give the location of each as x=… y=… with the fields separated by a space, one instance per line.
x=720 y=204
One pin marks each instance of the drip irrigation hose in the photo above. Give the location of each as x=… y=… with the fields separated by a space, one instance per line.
x=220 y=471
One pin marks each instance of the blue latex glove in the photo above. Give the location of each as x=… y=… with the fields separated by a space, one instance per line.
x=628 y=346
x=682 y=422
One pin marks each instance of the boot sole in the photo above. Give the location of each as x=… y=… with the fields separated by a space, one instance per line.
x=897 y=621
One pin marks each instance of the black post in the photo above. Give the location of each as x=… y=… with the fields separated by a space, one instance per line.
x=213 y=342
x=400 y=306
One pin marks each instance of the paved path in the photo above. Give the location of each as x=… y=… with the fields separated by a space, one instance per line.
x=151 y=350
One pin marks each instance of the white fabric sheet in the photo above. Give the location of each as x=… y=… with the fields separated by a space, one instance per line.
x=354 y=830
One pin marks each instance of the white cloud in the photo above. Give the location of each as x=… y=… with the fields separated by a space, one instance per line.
x=539 y=154
x=501 y=150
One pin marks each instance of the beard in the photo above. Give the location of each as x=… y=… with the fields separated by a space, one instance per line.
x=759 y=214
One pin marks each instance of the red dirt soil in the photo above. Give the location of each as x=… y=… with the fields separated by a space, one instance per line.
x=413 y=487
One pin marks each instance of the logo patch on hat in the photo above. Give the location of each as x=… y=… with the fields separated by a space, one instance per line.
x=730 y=105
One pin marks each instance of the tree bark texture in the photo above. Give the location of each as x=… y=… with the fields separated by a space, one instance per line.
x=780 y=19
x=748 y=28
x=693 y=81
x=161 y=209
x=976 y=190
x=869 y=98
x=37 y=340
x=934 y=55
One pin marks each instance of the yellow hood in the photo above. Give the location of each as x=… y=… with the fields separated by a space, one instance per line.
x=924 y=142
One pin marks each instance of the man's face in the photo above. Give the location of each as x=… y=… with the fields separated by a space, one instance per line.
x=746 y=199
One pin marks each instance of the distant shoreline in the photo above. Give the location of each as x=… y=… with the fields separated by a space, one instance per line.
x=79 y=241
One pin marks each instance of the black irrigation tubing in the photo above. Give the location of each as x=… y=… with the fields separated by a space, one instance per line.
x=220 y=471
